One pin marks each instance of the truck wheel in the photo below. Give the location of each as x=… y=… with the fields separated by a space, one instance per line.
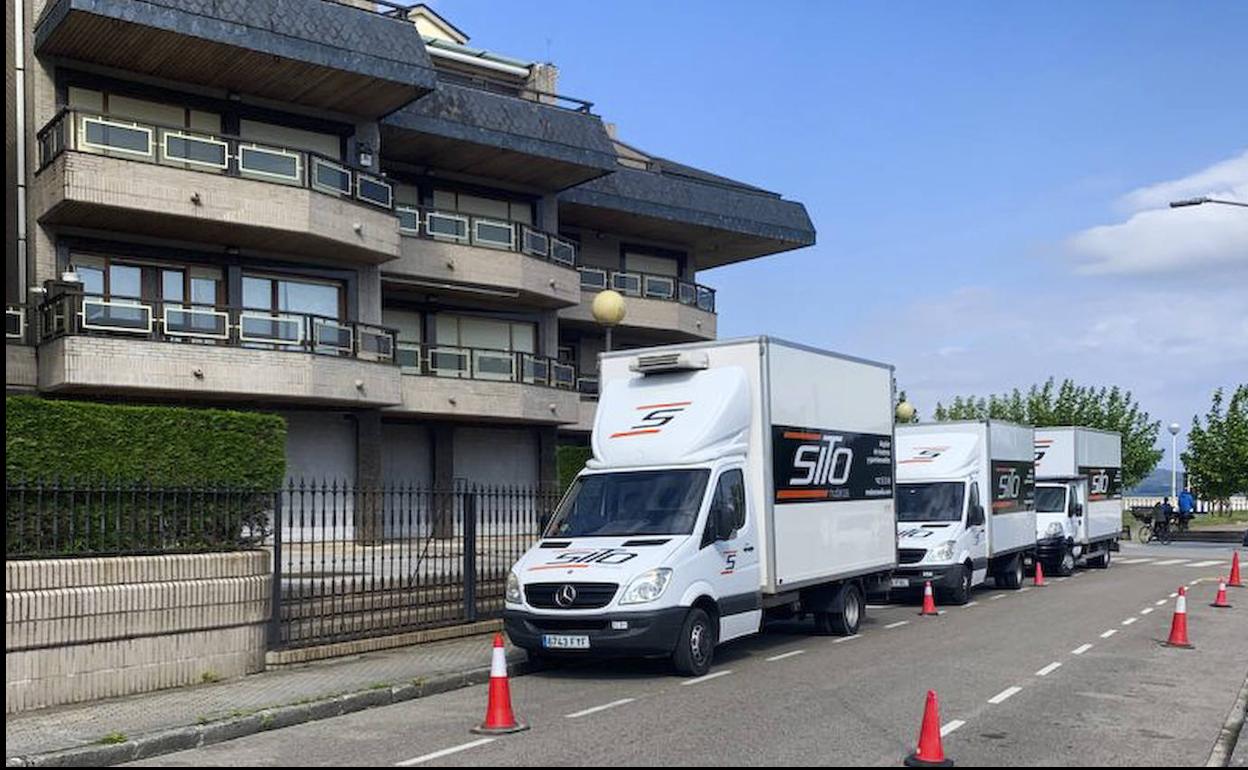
x=1102 y=559
x=961 y=594
x=1012 y=576
x=845 y=622
x=1065 y=566
x=695 y=647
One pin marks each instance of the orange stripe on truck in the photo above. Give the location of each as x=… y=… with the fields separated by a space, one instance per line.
x=800 y=436
x=664 y=406
x=801 y=494
x=634 y=432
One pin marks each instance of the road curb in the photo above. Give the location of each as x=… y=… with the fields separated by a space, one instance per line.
x=263 y=720
x=1224 y=747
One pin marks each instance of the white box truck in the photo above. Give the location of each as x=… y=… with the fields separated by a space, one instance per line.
x=730 y=481
x=1078 y=497
x=965 y=505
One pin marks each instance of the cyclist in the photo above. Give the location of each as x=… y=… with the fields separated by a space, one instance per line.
x=1161 y=519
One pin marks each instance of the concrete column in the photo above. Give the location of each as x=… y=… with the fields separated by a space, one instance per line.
x=442 y=436
x=368 y=296
x=548 y=214
x=370 y=524
x=547 y=463
x=548 y=334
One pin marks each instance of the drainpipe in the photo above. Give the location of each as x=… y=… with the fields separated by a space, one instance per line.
x=19 y=128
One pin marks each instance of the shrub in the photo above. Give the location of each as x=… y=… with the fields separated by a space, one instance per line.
x=570 y=460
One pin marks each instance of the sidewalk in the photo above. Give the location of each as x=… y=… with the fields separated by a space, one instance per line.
x=172 y=720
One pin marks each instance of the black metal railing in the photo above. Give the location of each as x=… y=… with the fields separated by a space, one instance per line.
x=186 y=148
x=487 y=232
x=518 y=90
x=87 y=314
x=73 y=518
x=357 y=562
x=632 y=283
x=16 y=323
x=457 y=362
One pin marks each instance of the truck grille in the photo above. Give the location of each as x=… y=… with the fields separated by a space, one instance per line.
x=910 y=555
x=589 y=596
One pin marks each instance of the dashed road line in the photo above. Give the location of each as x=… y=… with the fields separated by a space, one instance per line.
x=1170 y=562
x=950 y=726
x=969 y=605
x=784 y=655
x=596 y=709
x=1004 y=695
x=1129 y=621
x=1109 y=633
x=1174 y=595
x=898 y=624
x=1081 y=649
x=706 y=678
x=841 y=639
x=1049 y=669
x=443 y=753
x=998 y=596
x=1160 y=602
x=1146 y=610
x=1210 y=563
x=1024 y=589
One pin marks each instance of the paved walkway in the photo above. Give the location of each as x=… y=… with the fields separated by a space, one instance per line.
x=72 y=727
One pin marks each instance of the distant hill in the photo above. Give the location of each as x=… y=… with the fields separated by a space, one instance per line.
x=1155 y=483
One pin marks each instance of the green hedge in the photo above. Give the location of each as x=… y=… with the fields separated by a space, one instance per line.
x=156 y=445
x=86 y=479
x=571 y=459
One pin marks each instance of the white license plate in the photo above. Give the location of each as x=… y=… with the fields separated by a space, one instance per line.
x=901 y=582
x=562 y=642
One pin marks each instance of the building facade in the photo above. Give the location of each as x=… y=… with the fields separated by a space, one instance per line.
x=340 y=211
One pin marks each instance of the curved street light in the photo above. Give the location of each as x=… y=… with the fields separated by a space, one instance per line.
x=1204 y=199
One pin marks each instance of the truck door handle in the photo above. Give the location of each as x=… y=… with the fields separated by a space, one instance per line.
x=748 y=549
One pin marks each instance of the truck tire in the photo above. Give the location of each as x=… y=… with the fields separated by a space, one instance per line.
x=961 y=594
x=847 y=621
x=1102 y=559
x=695 y=647
x=1011 y=576
x=1065 y=564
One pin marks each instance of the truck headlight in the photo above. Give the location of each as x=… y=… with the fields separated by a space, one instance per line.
x=513 y=589
x=1054 y=530
x=944 y=551
x=647 y=586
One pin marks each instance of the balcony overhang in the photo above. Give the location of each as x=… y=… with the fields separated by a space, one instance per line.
x=647 y=322
x=317 y=53
x=719 y=223
x=106 y=194
x=471 y=132
x=485 y=401
x=481 y=274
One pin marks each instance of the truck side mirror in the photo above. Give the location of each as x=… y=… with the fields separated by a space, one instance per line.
x=975 y=516
x=1076 y=509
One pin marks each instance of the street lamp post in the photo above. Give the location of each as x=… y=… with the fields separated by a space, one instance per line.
x=1203 y=200
x=1174 y=460
x=609 y=311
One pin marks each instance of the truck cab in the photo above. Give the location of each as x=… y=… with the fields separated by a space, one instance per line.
x=1060 y=525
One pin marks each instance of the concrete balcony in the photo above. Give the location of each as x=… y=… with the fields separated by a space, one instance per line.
x=517 y=263
x=485 y=386
x=135 y=183
x=660 y=309
x=98 y=347
x=321 y=54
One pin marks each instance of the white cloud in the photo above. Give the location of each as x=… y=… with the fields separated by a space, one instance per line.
x=1156 y=239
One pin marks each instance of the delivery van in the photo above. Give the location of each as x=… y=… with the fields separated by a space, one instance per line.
x=1078 y=497
x=965 y=506
x=731 y=481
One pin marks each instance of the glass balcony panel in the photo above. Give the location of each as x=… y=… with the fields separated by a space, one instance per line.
x=536 y=244
x=592 y=278
x=116 y=315
x=110 y=136
x=706 y=299
x=263 y=328
x=447 y=227
x=448 y=362
x=627 y=283
x=563 y=375
x=14 y=324
x=660 y=287
x=204 y=323
x=330 y=336
x=375 y=344
x=409 y=219
x=494 y=365
x=270 y=164
x=373 y=190
x=195 y=150
x=330 y=177
x=495 y=234
x=563 y=252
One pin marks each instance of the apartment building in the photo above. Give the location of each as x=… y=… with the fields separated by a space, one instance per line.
x=343 y=212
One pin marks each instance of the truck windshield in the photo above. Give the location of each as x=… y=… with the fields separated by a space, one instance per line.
x=934 y=501
x=633 y=503
x=1050 y=499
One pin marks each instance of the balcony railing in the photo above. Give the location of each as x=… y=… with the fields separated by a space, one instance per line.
x=649 y=286
x=432 y=360
x=79 y=314
x=185 y=148
x=15 y=323
x=487 y=232
x=519 y=90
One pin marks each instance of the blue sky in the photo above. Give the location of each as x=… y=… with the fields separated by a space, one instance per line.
x=988 y=179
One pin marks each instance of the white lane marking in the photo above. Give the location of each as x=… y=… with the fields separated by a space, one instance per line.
x=878 y=606
x=1212 y=563
x=1160 y=602
x=950 y=726
x=841 y=639
x=1049 y=669
x=898 y=624
x=1058 y=579
x=596 y=709
x=784 y=655
x=998 y=596
x=1133 y=561
x=706 y=678
x=1081 y=649
x=964 y=606
x=1109 y=633
x=1024 y=589
x=1146 y=610
x=444 y=752
x=1129 y=621
x=1004 y=695
x=1174 y=595
x=1170 y=562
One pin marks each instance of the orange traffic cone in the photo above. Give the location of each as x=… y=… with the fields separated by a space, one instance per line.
x=499 y=718
x=1221 y=602
x=929 y=601
x=1233 y=581
x=1039 y=575
x=930 y=752
x=1178 y=626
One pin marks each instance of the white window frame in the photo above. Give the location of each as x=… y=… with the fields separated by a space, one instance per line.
x=555 y=243
x=691 y=298
x=317 y=323
x=606 y=278
x=318 y=161
x=164 y=322
x=20 y=315
x=529 y=364
x=568 y=382
x=268 y=317
x=82 y=136
x=528 y=232
x=615 y=284
x=462 y=372
x=164 y=149
x=360 y=178
x=408 y=210
x=406 y=346
x=244 y=171
x=669 y=282
x=447 y=215
x=82 y=315
x=479 y=353
x=491 y=244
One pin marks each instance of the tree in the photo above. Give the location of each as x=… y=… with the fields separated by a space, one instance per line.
x=1217 y=452
x=1047 y=405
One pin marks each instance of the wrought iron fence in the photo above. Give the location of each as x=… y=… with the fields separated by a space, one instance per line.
x=356 y=562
